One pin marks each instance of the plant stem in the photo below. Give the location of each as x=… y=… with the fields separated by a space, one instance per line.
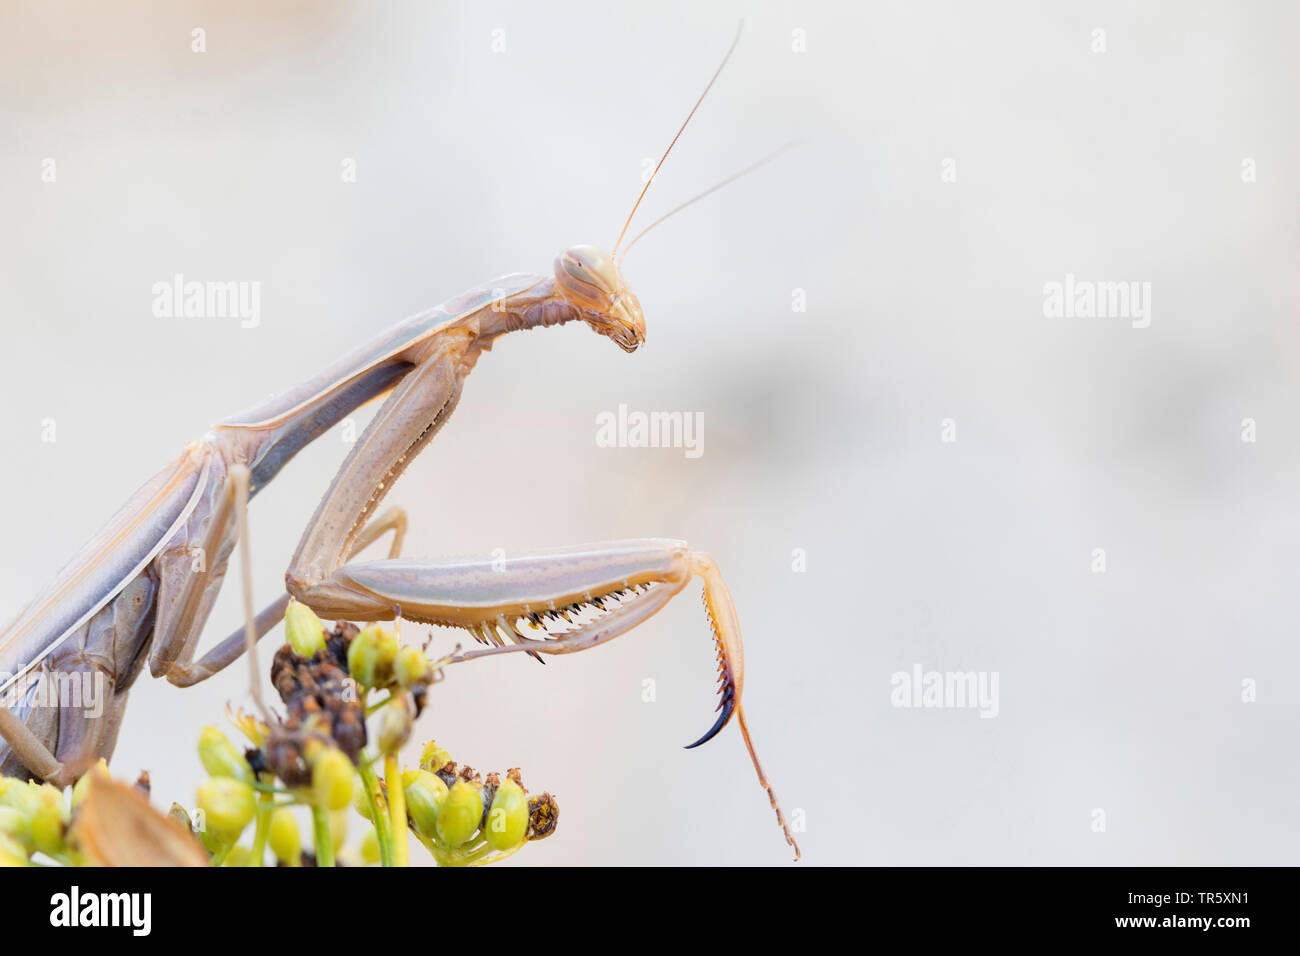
x=396 y=809
x=382 y=830
x=263 y=826
x=320 y=828
x=270 y=788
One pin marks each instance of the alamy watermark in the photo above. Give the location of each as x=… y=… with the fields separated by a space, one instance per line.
x=182 y=299
x=635 y=429
x=974 y=690
x=1086 y=299
x=64 y=690
x=127 y=910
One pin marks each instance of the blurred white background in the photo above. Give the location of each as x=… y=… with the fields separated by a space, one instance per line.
x=1119 y=691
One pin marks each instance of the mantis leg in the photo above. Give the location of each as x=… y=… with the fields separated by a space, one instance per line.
x=565 y=600
x=28 y=748
x=186 y=672
x=53 y=742
x=404 y=424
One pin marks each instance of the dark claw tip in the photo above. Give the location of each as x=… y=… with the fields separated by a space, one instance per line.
x=729 y=704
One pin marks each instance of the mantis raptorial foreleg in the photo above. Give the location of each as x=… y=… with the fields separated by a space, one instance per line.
x=598 y=591
x=404 y=424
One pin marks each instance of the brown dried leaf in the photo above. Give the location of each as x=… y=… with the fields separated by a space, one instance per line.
x=117 y=826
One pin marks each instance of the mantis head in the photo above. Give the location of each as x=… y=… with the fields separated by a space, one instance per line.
x=590 y=280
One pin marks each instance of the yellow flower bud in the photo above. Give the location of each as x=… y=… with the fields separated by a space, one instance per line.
x=507 y=820
x=15 y=826
x=284 y=837
x=361 y=804
x=220 y=758
x=459 y=814
x=215 y=842
x=20 y=795
x=11 y=852
x=411 y=667
x=370 y=657
x=424 y=794
x=49 y=820
x=12 y=822
x=303 y=629
x=395 y=723
x=370 y=848
x=228 y=805
x=339 y=827
x=331 y=779
x=239 y=856
x=433 y=758
x=100 y=769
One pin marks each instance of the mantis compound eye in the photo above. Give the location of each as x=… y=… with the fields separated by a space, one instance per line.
x=588 y=276
x=591 y=266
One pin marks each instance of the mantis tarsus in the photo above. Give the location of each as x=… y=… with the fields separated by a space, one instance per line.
x=135 y=593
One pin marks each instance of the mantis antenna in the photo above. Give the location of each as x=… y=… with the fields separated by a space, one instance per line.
x=739 y=29
x=712 y=189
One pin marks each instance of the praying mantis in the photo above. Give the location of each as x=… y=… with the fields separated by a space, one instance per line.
x=141 y=591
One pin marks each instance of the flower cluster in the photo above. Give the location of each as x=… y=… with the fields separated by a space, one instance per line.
x=464 y=820
x=323 y=756
x=350 y=699
x=34 y=818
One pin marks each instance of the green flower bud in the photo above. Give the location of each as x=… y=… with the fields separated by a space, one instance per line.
x=100 y=769
x=359 y=801
x=284 y=837
x=424 y=794
x=49 y=820
x=20 y=795
x=433 y=758
x=370 y=848
x=507 y=820
x=303 y=629
x=239 y=856
x=16 y=826
x=331 y=779
x=215 y=842
x=395 y=723
x=228 y=805
x=459 y=814
x=370 y=657
x=12 y=823
x=221 y=758
x=411 y=667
